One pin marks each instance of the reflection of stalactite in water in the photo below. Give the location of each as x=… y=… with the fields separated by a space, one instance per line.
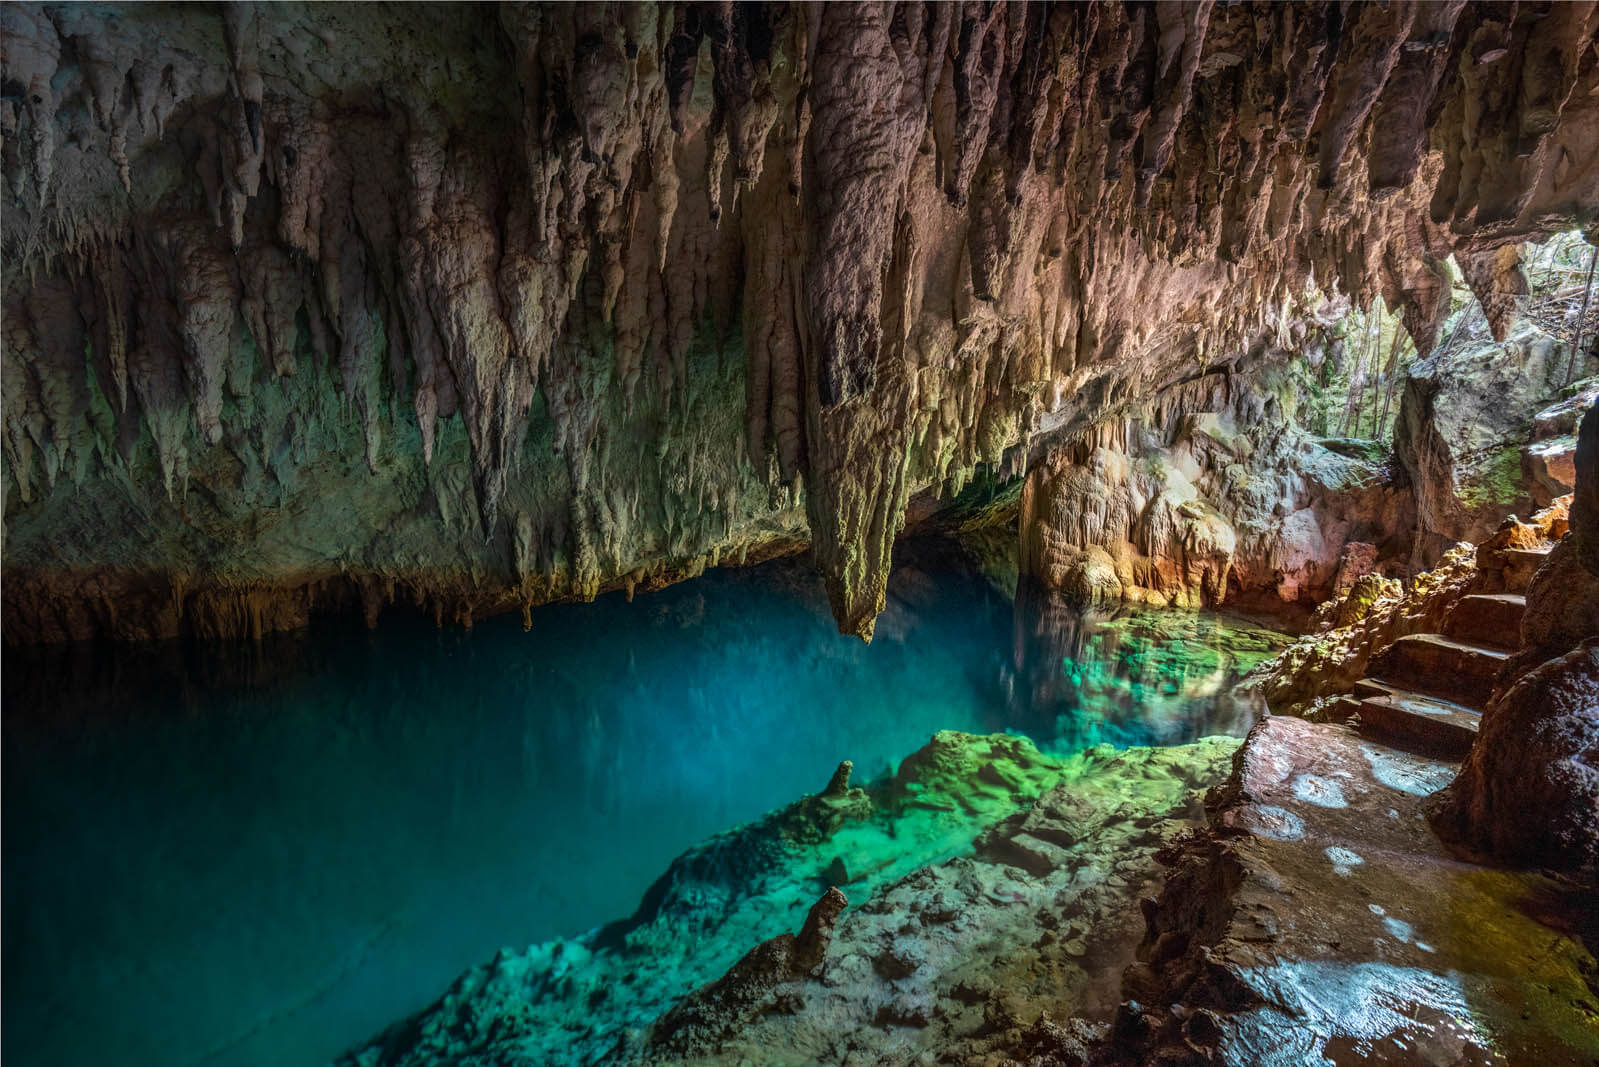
x=1047 y=635
x=1127 y=676
x=597 y=749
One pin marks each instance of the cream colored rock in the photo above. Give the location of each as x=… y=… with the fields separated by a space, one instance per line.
x=1222 y=499
x=664 y=285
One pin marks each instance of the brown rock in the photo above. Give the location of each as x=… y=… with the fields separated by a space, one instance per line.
x=1319 y=913
x=701 y=1020
x=482 y=307
x=1529 y=792
x=1585 y=499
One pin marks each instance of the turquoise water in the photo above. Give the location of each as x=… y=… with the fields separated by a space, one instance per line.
x=263 y=854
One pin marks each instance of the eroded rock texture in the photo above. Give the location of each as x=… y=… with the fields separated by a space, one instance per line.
x=992 y=885
x=1177 y=507
x=1529 y=792
x=1351 y=633
x=318 y=306
x=1476 y=442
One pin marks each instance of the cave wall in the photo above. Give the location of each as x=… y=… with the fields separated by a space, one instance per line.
x=314 y=306
x=1213 y=495
x=1483 y=432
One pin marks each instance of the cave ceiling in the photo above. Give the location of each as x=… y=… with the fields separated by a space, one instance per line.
x=588 y=292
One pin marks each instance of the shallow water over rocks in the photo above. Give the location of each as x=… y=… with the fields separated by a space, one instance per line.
x=263 y=854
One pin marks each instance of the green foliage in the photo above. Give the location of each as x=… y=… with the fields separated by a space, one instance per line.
x=1345 y=396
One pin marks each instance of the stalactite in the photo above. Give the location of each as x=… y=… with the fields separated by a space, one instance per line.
x=529 y=243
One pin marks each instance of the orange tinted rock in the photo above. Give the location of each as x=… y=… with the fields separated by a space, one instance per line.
x=545 y=296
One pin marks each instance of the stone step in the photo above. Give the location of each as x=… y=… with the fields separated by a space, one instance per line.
x=1377 y=687
x=1521 y=564
x=1372 y=687
x=1415 y=722
x=1488 y=618
x=1441 y=666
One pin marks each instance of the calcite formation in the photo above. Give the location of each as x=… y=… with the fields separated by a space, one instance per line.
x=331 y=306
x=1180 y=507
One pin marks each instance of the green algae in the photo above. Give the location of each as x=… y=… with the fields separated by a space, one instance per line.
x=576 y=999
x=589 y=999
x=1497 y=481
x=1524 y=934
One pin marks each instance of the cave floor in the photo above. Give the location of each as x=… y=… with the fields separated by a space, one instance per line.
x=1350 y=933
x=1315 y=919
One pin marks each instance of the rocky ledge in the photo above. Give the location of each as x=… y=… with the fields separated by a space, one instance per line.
x=987 y=881
x=991 y=905
x=1319 y=918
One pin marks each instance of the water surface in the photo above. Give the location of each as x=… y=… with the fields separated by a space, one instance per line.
x=260 y=854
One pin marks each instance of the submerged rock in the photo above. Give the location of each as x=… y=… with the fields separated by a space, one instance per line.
x=953 y=945
x=1155 y=676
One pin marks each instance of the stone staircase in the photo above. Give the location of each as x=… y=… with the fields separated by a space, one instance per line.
x=1426 y=692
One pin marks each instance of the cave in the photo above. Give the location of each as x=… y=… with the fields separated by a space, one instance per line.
x=855 y=533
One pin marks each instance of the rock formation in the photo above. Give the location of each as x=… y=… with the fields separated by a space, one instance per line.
x=1466 y=596
x=992 y=884
x=1018 y=915
x=1529 y=792
x=1507 y=627
x=1231 y=493
x=701 y=1021
x=1318 y=919
x=312 y=307
x=1353 y=629
x=1473 y=443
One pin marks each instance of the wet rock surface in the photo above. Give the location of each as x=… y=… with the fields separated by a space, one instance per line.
x=1529 y=792
x=993 y=881
x=1319 y=918
x=313 y=308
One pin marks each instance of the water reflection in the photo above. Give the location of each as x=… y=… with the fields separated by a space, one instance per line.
x=1127 y=675
x=261 y=853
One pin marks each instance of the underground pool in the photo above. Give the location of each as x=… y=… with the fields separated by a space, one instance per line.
x=264 y=853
